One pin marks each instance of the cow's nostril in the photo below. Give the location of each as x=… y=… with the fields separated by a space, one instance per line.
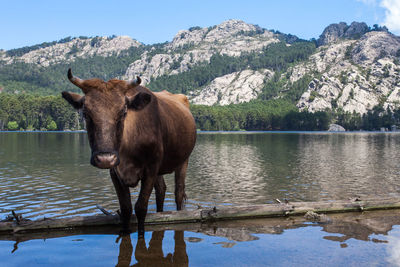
x=106 y=160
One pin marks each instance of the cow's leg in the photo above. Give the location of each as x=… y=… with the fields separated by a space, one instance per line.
x=146 y=186
x=160 y=189
x=124 y=198
x=180 y=175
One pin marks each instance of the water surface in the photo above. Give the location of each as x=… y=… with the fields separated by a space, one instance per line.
x=48 y=174
x=358 y=239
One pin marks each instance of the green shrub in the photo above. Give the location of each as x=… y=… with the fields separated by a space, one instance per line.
x=12 y=126
x=51 y=126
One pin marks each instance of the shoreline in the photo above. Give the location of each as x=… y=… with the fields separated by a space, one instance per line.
x=230 y=132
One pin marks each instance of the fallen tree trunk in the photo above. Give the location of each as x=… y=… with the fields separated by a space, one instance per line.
x=209 y=215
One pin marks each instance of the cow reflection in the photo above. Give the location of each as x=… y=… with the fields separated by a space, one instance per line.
x=153 y=255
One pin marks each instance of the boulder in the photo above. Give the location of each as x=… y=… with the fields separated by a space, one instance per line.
x=336 y=128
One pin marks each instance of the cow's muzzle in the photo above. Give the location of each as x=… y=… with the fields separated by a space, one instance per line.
x=105 y=160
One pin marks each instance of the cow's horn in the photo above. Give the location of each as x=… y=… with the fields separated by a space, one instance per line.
x=75 y=80
x=136 y=81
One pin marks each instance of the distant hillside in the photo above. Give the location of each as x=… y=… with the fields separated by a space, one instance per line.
x=348 y=68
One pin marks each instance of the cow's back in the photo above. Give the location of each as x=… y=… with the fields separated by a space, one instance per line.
x=167 y=96
x=178 y=129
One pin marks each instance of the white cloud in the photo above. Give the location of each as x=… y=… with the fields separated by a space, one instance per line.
x=392 y=14
x=393 y=247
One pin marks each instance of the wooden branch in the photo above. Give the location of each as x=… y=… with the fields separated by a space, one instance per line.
x=15 y=216
x=209 y=215
x=105 y=212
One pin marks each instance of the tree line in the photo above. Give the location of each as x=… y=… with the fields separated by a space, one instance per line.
x=257 y=115
x=30 y=112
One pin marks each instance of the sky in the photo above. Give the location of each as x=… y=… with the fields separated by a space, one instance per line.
x=27 y=22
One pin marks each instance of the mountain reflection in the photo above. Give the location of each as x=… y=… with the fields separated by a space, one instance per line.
x=343 y=166
x=153 y=255
x=49 y=175
x=258 y=168
x=227 y=168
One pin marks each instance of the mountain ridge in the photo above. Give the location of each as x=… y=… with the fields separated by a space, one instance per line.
x=349 y=67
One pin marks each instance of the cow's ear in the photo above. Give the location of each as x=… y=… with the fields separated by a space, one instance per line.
x=74 y=99
x=138 y=101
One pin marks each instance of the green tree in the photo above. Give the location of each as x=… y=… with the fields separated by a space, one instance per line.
x=12 y=126
x=51 y=126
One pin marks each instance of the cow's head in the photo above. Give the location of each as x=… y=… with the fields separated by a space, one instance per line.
x=105 y=106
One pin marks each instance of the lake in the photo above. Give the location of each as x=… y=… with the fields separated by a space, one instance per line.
x=359 y=239
x=49 y=175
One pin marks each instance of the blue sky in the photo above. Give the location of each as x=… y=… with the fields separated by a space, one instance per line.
x=27 y=22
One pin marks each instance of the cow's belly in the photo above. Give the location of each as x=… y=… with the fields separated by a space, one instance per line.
x=173 y=161
x=166 y=170
x=178 y=149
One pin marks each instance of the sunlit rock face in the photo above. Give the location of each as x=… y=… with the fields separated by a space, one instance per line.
x=197 y=45
x=234 y=88
x=336 y=31
x=355 y=75
x=76 y=48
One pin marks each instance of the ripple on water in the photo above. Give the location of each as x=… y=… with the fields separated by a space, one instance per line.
x=47 y=176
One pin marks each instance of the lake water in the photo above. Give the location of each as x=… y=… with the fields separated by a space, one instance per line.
x=49 y=175
x=359 y=239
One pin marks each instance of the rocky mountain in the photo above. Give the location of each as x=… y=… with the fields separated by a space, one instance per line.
x=197 y=45
x=354 y=75
x=349 y=67
x=337 y=31
x=69 y=51
x=232 y=88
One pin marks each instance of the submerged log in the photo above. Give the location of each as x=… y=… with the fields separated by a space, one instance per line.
x=209 y=215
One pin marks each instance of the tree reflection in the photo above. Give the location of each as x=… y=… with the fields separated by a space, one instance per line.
x=153 y=255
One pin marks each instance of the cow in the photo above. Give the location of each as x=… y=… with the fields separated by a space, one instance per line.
x=139 y=135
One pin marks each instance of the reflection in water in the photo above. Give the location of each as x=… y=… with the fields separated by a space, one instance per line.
x=48 y=174
x=258 y=168
x=394 y=247
x=368 y=238
x=225 y=169
x=153 y=255
x=350 y=165
x=125 y=251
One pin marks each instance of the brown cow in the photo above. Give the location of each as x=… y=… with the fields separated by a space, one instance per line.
x=138 y=135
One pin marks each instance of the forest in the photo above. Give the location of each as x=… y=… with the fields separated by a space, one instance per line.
x=50 y=113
